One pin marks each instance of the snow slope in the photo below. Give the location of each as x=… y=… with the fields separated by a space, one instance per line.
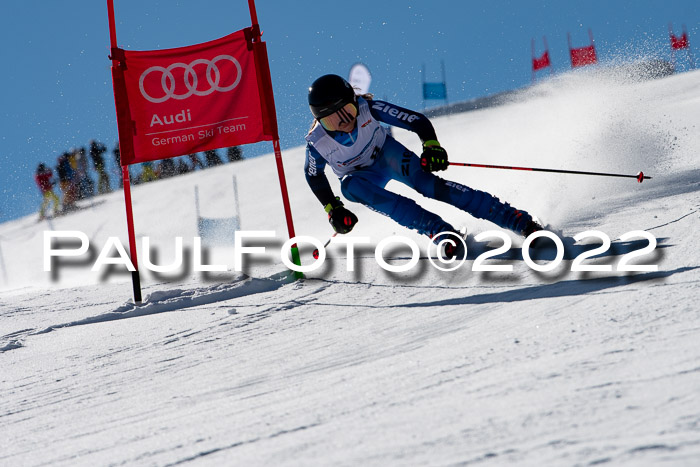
x=368 y=367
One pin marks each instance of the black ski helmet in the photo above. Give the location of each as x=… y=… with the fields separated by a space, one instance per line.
x=328 y=94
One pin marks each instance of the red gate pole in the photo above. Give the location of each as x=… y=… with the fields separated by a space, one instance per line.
x=253 y=12
x=135 y=278
x=126 y=147
x=269 y=97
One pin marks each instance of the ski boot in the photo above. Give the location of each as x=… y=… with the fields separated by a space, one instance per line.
x=531 y=227
x=455 y=246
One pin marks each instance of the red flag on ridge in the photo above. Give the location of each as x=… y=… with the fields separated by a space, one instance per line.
x=678 y=43
x=583 y=56
x=541 y=62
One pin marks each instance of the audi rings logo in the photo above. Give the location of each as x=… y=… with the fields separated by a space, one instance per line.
x=168 y=81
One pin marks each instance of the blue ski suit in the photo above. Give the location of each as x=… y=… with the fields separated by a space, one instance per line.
x=367 y=158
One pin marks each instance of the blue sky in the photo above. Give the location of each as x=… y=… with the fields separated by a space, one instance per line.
x=58 y=91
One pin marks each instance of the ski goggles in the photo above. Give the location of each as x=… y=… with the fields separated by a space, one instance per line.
x=345 y=114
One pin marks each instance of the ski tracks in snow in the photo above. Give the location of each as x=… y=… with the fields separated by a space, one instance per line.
x=161 y=301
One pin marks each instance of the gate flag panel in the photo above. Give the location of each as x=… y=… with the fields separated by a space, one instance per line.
x=680 y=43
x=184 y=100
x=583 y=56
x=434 y=90
x=541 y=62
x=191 y=99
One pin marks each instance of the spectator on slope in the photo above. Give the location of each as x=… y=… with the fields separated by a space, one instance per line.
x=45 y=182
x=194 y=159
x=96 y=152
x=166 y=169
x=212 y=158
x=347 y=135
x=182 y=167
x=118 y=165
x=66 y=181
x=86 y=187
x=148 y=174
x=234 y=154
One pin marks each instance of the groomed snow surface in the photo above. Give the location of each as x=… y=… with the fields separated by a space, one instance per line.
x=369 y=367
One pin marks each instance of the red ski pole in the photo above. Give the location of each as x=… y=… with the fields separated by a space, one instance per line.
x=315 y=253
x=640 y=176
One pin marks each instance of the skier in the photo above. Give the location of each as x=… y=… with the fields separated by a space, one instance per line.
x=45 y=182
x=212 y=158
x=347 y=135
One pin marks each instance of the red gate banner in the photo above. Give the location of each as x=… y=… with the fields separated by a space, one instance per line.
x=678 y=43
x=190 y=99
x=583 y=56
x=542 y=62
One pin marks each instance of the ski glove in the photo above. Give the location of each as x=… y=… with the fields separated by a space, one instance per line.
x=340 y=218
x=434 y=157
